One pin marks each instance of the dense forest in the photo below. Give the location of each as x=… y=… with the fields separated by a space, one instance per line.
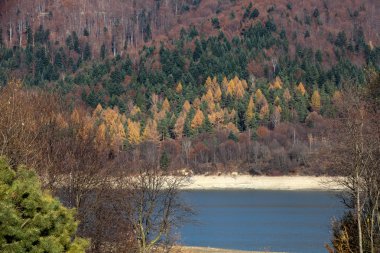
x=213 y=103
x=94 y=93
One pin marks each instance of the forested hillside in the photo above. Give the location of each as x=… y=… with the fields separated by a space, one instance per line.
x=218 y=84
x=116 y=103
x=127 y=24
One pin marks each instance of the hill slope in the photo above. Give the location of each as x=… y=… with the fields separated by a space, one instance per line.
x=128 y=24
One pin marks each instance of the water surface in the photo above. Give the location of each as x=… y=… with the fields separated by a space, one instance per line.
x=290 y=221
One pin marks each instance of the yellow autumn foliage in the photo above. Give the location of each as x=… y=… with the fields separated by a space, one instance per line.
x=232 y=128
x=217 y=94
x=135 y=110
x=316 y=101
x=301 y=88
x=179 y=88
x=165 y=105
x=264 y=111
x=150 y=131
x=198 y=119
x=277 y=84
x=259 y=96
x=134 y=136
x=216 y=118
x=179 y=125
x=250 y=112
x=186 y=106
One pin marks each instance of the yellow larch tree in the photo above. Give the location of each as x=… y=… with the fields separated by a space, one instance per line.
x=277 y=84
x=236 y=79
x=114 y=122
x=277 y=104
x=98 y=111
x=61 y=122
x=150 y=131
x=198 y=119
x=239 y=90
x=264 y=111
x=277 y=101
x=75 y=118
x=208 y=83
x=211 y=106
x=231 y=87
x=301 y=88
x=316 y=101
x=244 y=84
x=179 y=88
x=179 y=125
x=100 y=138
x=216 y=118
x=217 y=93
x=250 y=112
x=86 y=128
x=215 y=82
x=135 y=110
x=186 y=106
x=259 y=96
x=196 y=103
x=231 y=127
x=134 y=136
x=208 y=97
x=165 y=105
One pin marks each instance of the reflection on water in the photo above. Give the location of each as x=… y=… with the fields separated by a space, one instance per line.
x=290 y=221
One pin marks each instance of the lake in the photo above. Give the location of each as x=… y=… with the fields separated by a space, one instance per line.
x=287 y=221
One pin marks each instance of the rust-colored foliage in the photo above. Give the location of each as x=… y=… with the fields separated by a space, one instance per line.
x=262 y=132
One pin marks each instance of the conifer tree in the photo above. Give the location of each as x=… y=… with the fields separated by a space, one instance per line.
x=287 y=97
x=186 y=106
x=197 y=120
x=207 y=126
x=179 y=88
x=217 y=93
x=316 y=101
x=165 y=105
x=33 y=221
x=133 y=132
x=250 y=114
x=301 y=89
x=179 y=125
x=150 y=131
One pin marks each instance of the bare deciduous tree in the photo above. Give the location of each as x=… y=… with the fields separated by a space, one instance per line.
x=154 y=207
x=356 y=152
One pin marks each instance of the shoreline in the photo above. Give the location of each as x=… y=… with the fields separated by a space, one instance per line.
x=247 y=182
x=194 y=249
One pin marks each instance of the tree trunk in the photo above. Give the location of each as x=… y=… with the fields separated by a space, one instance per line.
x=358 y=213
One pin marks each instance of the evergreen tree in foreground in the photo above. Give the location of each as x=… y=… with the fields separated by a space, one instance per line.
x=33 y=221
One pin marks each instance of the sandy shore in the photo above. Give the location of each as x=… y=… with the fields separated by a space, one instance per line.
x=245 y=182
x=187 y=249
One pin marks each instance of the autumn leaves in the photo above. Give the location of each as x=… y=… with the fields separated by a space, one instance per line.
x=217 y=109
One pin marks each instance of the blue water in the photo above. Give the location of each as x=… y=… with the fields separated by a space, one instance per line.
x=290 y=221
